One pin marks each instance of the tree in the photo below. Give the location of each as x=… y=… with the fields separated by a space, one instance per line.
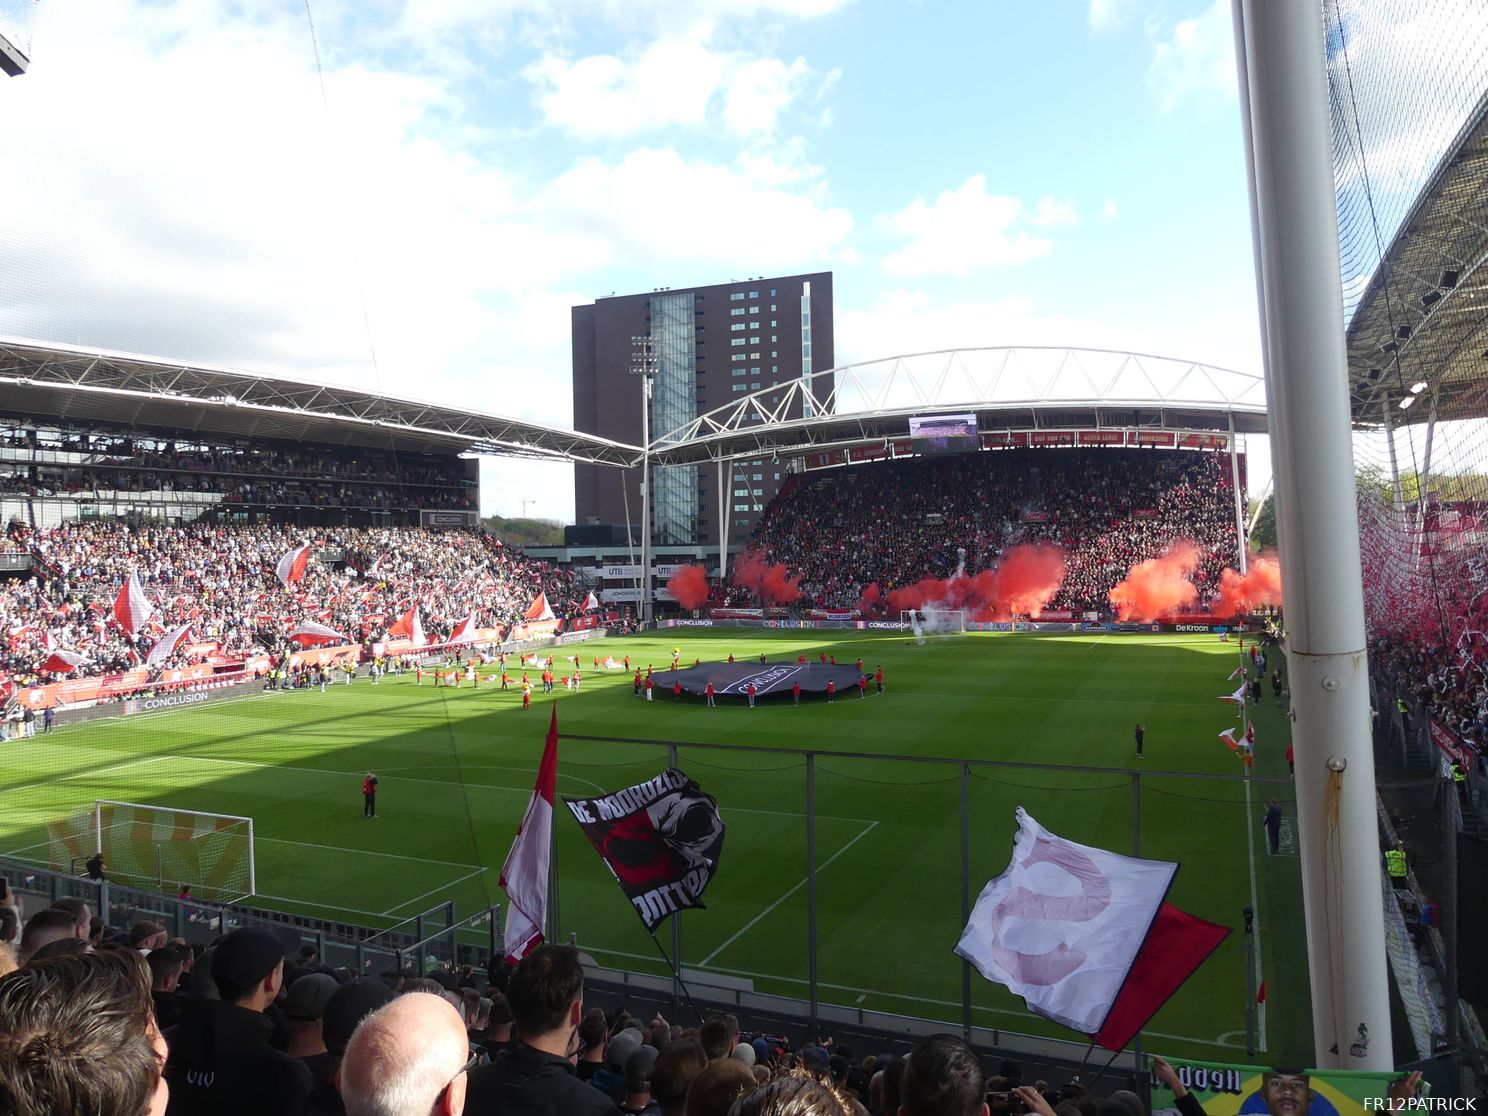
x=525 y=532
x=1264 y=535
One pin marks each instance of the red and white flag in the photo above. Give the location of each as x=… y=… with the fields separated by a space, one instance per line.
x=310 y=633
x=464 y=631
x=131 y=609
x=1238 y=672
x=524 y=876
x=1228 y=736
x=404 y=625
x=1238 y=697
x=1084 y=935
x=61 y=661
x=292 y=565
x=539 y=609
x=592 y=603
x=166 y=645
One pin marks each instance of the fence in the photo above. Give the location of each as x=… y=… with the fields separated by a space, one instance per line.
x=860 y=923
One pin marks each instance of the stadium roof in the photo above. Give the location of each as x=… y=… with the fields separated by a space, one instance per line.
x=1007 y=388
x=1422 y=318
x=93 y=385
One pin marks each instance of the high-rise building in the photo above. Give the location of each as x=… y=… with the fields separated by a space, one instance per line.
x=709 y=346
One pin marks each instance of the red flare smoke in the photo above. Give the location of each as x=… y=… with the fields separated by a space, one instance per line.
x=689 y=585
x=773 y=583
x=1259 y=585
x=1158 y=586
x=871 y=600
x=1022 y=584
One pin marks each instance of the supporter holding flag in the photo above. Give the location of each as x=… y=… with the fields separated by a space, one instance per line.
x=591 y=603
x=167 y=644
x=524 y=876
x=1100 y=955
x=131 y=608
x=539 y=609
x=292 y=565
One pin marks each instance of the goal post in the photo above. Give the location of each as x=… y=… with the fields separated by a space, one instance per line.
x=166 y=847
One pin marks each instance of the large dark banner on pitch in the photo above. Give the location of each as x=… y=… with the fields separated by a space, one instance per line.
x=661 y=839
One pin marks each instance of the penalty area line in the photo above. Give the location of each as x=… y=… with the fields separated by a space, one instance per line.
x=753 y=922
x=433 y=891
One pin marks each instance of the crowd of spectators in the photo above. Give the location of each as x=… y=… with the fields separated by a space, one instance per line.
x=135 y=1024
x=83 y=465
x=220 y=579
x=895 y=523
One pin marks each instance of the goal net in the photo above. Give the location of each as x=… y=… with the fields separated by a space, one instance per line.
x=162 y=848
x=934 y=621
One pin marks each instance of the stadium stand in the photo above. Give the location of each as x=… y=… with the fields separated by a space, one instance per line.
x=896 y=523
x=220 y=579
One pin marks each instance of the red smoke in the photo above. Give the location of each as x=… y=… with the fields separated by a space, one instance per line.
x=772 y=582
x=1242 y=593
x=1023 y=583
x=689 y=585
x=1158 y=586
x=871 y=600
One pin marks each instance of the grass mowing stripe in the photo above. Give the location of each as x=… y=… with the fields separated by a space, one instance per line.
x=753 y=922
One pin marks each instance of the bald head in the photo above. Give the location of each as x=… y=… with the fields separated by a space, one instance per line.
x=405 y=1060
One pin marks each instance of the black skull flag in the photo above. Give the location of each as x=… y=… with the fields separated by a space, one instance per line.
x=661 y=839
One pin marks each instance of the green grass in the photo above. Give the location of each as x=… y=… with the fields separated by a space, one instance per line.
x=456 y=770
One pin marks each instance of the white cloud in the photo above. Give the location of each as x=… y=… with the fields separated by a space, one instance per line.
x=1051 y=212
x=966 y=229
x=1108 y=210
x=1196 y=59
x=677 y=80
x=1107 y=15
x=656 y=206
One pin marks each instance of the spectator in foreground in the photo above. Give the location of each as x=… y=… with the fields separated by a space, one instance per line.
x=220 y=1058
x=533 y=1075
x=43 y=928
x=797 y=1093
x=165 y=974
x=80 y=1037
x=407 y=1059
x=594 y=1032
x=714 y=1090
x=943 y=1077
x=82 y=918
x=672 y=1074
x=638 y=1066
x=344 y=1012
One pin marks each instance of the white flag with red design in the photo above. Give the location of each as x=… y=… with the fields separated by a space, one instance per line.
x=131 y=608
x=1084 y=935
x=1238 y=672
x=464 y=631
x=1238 y=697
x=310 y=633
x=524 y=876
x=1228 y=736
x=592 y=603
x=166 y=646
x=59 y=659
x=292 y=565
x=539 y=609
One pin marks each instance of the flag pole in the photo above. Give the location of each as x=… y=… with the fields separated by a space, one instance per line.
x=1103 y=1068
x=1079 y=1073
x=676 y=976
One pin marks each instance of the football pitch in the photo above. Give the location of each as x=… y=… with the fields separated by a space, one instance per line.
x=456 y=768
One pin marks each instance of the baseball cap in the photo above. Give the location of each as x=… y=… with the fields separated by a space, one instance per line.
x=347 y=1007
x=244 y=958
x=621 y=1047
x=309 y=995
x=638 y=1068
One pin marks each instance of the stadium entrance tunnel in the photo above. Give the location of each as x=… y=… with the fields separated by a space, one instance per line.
x=776 y=680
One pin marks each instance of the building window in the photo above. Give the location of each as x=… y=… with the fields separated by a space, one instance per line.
x=774 y=322
x=736 y=296
x=772 y=292
x=754 y=294
x=737 y=342
x=737 y=327
x=754 y=309
x=738 y=387
x=738 y=357
x=741 y=507
x=754 y=356
x=736 y=312
x=757 y=476
x=754 y=386
x=738 y=371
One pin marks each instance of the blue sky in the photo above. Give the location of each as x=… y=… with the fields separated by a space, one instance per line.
x=975 y=173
